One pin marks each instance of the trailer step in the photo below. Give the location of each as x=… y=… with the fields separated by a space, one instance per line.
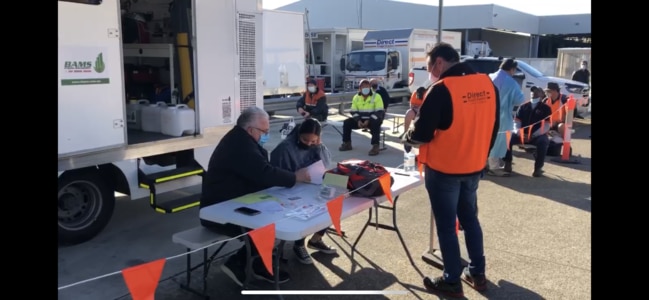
x=186 y=167
x=148 y=180
x=180 y=204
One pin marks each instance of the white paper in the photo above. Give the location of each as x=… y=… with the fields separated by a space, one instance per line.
x=307 y=212
x=316 y=171
x=267 y=206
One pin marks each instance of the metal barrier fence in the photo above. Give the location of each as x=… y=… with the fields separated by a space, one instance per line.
x=337 y=99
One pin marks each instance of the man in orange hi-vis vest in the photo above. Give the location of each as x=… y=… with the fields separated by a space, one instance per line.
x=455 y=129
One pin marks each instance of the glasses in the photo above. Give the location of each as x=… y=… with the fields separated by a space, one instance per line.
x=264 y=131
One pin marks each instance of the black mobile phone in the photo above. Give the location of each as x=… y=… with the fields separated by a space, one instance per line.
x=247 y=211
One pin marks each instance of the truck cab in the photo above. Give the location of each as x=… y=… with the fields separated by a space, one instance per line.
x=382 y=64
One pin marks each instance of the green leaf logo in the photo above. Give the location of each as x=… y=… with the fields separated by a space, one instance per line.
x=99 y=63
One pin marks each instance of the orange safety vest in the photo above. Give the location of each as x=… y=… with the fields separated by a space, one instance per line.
x=557 y=110
x=464 y=146
x=414 y=101
x=311 y=99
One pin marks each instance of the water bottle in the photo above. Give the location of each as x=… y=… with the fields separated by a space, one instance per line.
x=409 y=161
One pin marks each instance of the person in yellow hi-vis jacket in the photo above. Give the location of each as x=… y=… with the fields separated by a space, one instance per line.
x=367 y=112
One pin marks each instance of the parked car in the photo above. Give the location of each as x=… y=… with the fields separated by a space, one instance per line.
x=526 y=75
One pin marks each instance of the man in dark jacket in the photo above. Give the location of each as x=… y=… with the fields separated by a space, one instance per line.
x=455 y=129
x=582 y=75
x=313 y=103
x=239 y=165
x=374 y=84
x=530 y=116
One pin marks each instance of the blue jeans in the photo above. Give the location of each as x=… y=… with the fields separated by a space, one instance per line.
x=452 y=196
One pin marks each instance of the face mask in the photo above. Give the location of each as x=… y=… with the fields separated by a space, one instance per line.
x=535 y=100
x=311 y=89
x=365 y=91
x=583 y=67
x=301 y=145
x=432 y=78
x=263 y=139
x=304 y=146
x=375 y=86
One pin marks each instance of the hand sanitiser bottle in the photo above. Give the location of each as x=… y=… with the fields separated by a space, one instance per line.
x=408 y=161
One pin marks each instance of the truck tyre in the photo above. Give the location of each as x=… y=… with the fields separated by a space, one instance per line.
x=86 y=204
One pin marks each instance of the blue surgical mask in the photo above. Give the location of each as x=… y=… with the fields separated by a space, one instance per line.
x=365 y=91
x=263 y=139
x=535 y=100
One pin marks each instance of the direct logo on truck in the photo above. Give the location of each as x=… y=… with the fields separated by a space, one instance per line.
x=385 y=43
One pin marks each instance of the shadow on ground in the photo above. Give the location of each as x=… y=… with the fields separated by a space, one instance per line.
x=570 y=193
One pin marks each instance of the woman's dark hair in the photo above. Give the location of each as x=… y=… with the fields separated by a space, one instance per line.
x=310 y=125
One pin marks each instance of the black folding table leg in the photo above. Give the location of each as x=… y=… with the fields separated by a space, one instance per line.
x=369 y=220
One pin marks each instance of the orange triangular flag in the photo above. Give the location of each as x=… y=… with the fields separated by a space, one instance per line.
x=457 y=226
x=421 y=171
x=335 y=208
x=264 y=240
x=142 y=280
x=508 y=136
x=386 y=184
x=521 y=134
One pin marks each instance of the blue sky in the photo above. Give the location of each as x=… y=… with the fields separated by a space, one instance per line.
x=535 y=7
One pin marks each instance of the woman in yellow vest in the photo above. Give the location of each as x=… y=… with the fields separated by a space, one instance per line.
x=457 y=126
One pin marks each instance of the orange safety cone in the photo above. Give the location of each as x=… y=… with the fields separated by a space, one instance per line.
x=565 y=151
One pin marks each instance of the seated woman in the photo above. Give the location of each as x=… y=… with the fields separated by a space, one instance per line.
x=301 y=148
x=416 y=99
x=313 y=103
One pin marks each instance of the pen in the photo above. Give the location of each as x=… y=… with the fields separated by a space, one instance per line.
x=402 y=174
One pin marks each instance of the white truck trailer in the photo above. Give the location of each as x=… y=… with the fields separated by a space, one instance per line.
x=330 y=45
x=283 y=55
x=102 y=145
x=389 y=55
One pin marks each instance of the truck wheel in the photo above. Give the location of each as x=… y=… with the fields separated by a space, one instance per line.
x=86 y=204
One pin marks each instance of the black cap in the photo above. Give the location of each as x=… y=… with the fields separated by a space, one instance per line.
x=553 y=86
x=535 y=88
x=311 y=81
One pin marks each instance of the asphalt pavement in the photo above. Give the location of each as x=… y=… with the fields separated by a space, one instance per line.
x=537 y=238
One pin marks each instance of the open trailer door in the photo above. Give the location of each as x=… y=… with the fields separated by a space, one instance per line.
x=91 y=90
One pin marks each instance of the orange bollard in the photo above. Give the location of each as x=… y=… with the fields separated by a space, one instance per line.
x=565 y=152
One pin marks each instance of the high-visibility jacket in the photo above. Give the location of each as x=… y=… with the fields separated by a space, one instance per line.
x=363 y=107
x=416 y=101
x=463 y=147
x=558 y=109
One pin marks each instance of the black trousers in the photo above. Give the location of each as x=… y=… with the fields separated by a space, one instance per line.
x=351 y=124
x=232 y=230
x=300 y=242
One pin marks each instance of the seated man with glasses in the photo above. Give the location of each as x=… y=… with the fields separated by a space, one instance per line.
x=239 y=166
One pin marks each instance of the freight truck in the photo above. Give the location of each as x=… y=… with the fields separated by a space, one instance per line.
x=118 y=131
x=389 y=55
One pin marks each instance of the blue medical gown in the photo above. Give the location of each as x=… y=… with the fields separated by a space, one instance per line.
x=511 y=95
